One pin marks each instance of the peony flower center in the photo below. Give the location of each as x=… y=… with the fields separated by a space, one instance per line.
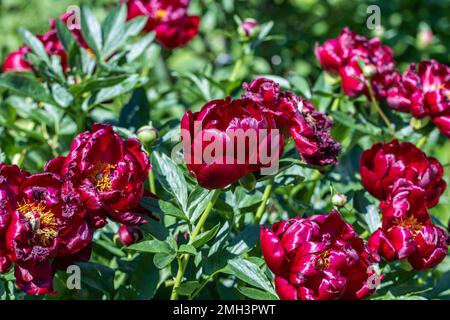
x=161 y=14
x=42 y=221
x=411 y=224
x=323 y=260
x=101 y=176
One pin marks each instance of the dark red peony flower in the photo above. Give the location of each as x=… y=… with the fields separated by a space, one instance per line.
x=228 y=139
x=318 y=258
x=44 y=225
x=129 y=234
x=424 y=91
x=11 y=177
x=15 y=61
x=53 y=46
x=407 y=231
x=106 y=173
x=298 y=118
x=342 y=56
x=384 y=164
x=169 y=19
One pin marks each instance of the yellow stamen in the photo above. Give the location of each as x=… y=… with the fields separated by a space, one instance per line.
x=323 y=261
x=410 y=223
x=42 y=219
x=101 y=176
x=161 y=14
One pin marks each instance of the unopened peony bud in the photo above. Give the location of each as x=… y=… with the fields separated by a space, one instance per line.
x=339 y=200
x=129 y=235
x=424 y=38
x=148 y=135
x=418 y=124
x=369 y=70
x=249 y=28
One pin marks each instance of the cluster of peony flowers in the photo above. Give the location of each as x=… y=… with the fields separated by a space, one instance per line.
x=344 y=57
x=407 y=183
x=16 y=61
x=423 y=90
x=318 y=258
x=262 y=107
x=168 y=18
x=47 y=219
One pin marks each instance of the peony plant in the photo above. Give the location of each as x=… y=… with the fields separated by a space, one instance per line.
x=161 y=154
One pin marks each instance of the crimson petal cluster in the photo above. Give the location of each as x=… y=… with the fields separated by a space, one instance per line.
x=318 y=258
x=262 y=107
x=16 y=61
x=168 y=18
x=47 y=219
x=407 y=183
x=342 y=56
x=298 y=119
x=424 y=91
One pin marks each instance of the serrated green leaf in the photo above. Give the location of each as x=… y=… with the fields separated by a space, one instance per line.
x=250 y=273
x=152 y=246
x=257 y=294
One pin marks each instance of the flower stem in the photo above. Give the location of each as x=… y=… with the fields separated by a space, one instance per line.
x=422 y=142
x=236 y=69
x=262 y=206
x=184 y=259
x=380 y=111
x=151 y=181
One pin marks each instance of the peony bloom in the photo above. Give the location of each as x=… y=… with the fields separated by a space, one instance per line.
x=298 y=118
x=407 y=231
x=44 y=226
x=342 y=56
x=129 y=234
x=169 y=19
x=228 y=139
x=15 y=61
x=384 y=164
x=318 y=258
x=11 y=177
x=424 y=91
x=106 y=173
x=53 y=46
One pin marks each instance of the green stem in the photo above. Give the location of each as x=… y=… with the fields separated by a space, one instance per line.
x=422 y=142
x=336 y=103
x=380 y=111
x=315 y=178
x=262 y=206
x=236 y=69
x=151 y=181
x=184 y=259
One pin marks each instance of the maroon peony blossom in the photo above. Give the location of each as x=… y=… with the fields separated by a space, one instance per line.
x=384 y=164
x=15 y=61
x=11 y=177
x=44 y=226
x=407 y=231
x=228 y=139
x=298 y=118
x=342 y=56
x=107 y=174
x=129 y=234
x=169 y=19
x=424 y=91
x=318 y=258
